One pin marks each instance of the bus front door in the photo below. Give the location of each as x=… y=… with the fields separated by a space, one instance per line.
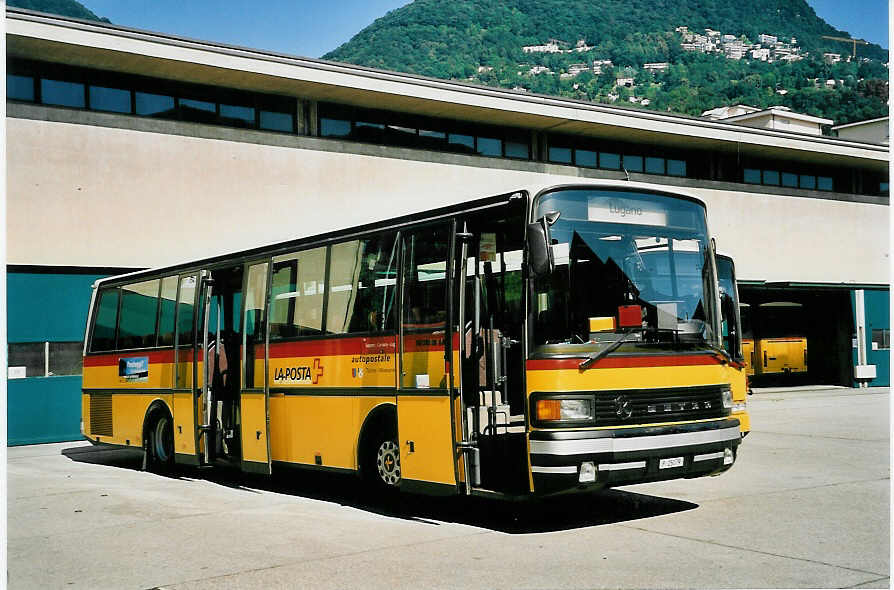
x=425 y=401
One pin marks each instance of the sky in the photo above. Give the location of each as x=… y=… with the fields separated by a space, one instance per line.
x=312 y=28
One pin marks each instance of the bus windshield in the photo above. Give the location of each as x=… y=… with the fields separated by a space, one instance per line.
x=633 y=271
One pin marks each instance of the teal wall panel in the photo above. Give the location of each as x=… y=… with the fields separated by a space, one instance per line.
x=877 y=304
x=45 y=307
x=43 y=409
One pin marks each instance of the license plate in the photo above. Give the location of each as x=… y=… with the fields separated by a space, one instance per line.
x=670 y=462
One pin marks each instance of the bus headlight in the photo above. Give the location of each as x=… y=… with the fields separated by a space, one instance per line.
x=739 y=407
x=726 y=397
x=571 y=410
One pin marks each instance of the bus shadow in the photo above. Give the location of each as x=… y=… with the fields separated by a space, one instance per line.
x=512 y=517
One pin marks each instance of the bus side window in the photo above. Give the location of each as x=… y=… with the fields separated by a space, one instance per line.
x=360 y=274
x=254 y=332
x=296 y=296
x=106 y=321
x=139 y=309
x=167 y=304
x=184 y=332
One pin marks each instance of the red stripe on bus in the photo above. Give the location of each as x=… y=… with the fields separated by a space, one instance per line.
x=155 y=356
x=331 y=347
x=623 y=362
x=357 y=346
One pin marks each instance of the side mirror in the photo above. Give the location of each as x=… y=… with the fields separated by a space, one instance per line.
x=540 y=252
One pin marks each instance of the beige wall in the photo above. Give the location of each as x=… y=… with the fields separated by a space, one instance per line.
x=874 y=132
x=96 y=196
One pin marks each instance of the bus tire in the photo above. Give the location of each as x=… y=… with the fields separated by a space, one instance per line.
x=160 y=442
x=381 y=465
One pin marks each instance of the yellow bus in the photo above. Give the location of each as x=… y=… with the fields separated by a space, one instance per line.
x=732 y=334
x=536 y=342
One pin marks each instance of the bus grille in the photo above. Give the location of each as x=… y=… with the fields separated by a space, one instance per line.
x=101 y=414
x=645 y=406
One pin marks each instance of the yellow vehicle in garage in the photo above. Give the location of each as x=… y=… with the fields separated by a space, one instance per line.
x=536 y=342
x=782 y=347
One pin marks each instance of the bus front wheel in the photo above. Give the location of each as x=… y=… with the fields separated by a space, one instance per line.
x=382 y=461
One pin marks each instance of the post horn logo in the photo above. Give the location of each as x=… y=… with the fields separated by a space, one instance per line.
x=622 y=407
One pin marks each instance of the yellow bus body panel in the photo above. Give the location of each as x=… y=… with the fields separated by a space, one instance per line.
x=561 y=380
x=184 y=423
x=422 y=421
x=570 y=380
x=253 y=411
x=128 y=413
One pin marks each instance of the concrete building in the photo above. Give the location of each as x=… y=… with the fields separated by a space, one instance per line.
x=778 y=118
x=870 y=131
x=128 y=149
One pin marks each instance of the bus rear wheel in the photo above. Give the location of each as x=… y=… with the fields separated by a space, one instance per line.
x=160 y=444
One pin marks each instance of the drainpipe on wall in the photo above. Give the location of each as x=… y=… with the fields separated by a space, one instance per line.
x=863 y=372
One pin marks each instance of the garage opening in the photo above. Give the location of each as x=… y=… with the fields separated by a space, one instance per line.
x=797 y=336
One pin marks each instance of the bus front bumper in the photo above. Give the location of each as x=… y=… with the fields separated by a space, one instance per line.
x=623 y=456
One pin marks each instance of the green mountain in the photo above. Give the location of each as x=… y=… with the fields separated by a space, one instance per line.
x=482 y=40
x=60 y=7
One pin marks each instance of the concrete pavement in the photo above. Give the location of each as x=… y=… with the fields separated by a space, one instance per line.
x=806 y=505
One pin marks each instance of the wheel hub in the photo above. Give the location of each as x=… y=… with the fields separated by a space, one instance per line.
x=388 y=463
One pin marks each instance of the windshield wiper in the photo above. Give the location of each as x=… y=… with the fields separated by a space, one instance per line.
x=591 y=360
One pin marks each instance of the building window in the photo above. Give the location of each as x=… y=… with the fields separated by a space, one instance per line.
x=807 y=181
x=516 y=149
x=273 y=121
x=789 y=180
x=44 y=359
x=586 y=158
x=676 y=168
x=771 y=177
x=112 y=100
x=881 y=339
x=26 y=359
x=150 y=105
x=560 y=155
x=61 y=93
x=236 y=116
x=458 y=139
x=824 y=183
x=655 y=165
x=751 y=176
x=20 y=87
x=335 y=128
x=609 y=161
x=65 y=358
x=489 y=146
x=633 y=163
